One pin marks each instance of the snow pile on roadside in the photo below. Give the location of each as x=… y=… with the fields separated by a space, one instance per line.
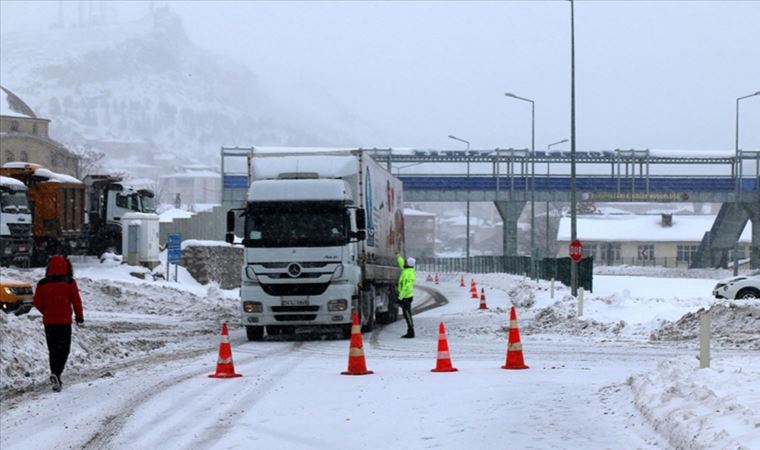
x=701 y=408
x=561 y=317
x=735 y=323
x=126 y=319
x=522 y=294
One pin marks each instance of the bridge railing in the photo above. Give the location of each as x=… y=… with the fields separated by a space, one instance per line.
x=546 y=268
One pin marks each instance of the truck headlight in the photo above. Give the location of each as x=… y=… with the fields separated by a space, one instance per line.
x=337 y=305
x=338 y=272
x=253 y=307
x=8 y=290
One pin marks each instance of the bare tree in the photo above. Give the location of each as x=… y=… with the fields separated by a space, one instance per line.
x=88 y=161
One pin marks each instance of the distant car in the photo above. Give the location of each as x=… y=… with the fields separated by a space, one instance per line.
x=15 y=296
x=742 y=287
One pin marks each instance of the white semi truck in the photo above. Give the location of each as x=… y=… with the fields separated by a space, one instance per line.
x=321 y=233
x=15 y=223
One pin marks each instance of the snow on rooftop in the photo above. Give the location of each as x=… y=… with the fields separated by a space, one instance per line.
x=7 y=108
x=646 y=228
x=327 y=166
x=12 y=183
x=417 y=212
x=172 y=213
x=55 y=176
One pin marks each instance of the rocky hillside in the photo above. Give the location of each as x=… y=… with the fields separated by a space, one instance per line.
x=146 y=84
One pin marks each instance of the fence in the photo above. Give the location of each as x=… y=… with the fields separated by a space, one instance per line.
x=546 y=268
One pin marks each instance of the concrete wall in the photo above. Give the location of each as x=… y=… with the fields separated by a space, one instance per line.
x=220 y=264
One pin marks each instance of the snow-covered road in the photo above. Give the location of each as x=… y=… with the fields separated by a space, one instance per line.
x=589 y=385
x=292 y=396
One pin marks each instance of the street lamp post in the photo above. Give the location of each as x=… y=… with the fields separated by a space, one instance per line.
x=532 y=180
x=738 y=173
x=467 y=229
x=549 y=147
x=573 y=218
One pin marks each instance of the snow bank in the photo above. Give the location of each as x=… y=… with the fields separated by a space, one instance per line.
x=701 y=408
x=126 y=319
x=735 y=323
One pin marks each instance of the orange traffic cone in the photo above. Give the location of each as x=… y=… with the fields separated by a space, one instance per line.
x=474 y=291
x=436 y=278
x=461 y=281
x=356 y=363
x=483 y=299
x=443 y=362
x=514 y=347
x=224 y=366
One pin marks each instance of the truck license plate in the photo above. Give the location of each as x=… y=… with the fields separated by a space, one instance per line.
x=295 y=302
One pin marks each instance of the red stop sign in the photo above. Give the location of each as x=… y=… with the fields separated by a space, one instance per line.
x=576 y=250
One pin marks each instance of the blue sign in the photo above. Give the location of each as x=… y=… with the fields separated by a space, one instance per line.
x=174 y=247
x=236 y=181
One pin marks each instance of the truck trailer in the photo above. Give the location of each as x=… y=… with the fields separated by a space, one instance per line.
x=321 y=232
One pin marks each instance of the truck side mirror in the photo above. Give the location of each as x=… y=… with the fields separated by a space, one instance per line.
x=361 y=220
x=230 y=236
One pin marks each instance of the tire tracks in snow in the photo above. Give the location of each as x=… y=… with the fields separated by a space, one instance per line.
x=113 y=423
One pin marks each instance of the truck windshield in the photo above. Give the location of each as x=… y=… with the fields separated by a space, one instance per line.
x=296 y=224
x=148 y=202
x=13 y=202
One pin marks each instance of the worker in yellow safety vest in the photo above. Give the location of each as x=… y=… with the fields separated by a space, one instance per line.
x=405 y=291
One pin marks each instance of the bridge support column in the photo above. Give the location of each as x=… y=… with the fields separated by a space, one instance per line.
x=754 y=249
x=510 y=213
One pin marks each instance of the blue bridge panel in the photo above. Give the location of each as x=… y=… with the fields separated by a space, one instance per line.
x=586 y=184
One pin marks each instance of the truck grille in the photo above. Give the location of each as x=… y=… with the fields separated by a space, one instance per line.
x=305 y=265
x=20 y=229
x=294 y=317
x=309 y=308
x=279 y=290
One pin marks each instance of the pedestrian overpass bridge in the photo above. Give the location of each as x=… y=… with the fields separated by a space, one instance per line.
x=510 y=178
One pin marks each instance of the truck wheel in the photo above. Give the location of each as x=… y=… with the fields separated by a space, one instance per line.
x=254 y=333
x=748 y=294
x=367 y=310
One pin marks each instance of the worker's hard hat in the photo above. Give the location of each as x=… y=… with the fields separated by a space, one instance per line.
x=410 y=261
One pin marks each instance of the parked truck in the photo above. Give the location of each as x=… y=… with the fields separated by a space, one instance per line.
x=108 y=200
x=15 y=223
x=321 y=232
x=57 y=205
x=69 y=216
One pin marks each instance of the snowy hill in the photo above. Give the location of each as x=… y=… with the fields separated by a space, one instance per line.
x=146 y=83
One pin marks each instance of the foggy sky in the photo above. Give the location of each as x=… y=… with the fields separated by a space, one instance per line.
x=649 y=74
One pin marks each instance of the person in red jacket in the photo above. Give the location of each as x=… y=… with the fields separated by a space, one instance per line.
x=56 y=295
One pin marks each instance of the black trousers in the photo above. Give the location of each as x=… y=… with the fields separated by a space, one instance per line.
x=59 y=343
x=406 y=309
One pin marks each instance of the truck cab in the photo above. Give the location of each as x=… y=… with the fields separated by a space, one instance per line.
x=15 y=223
x=108 y=199
x=308 y=259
